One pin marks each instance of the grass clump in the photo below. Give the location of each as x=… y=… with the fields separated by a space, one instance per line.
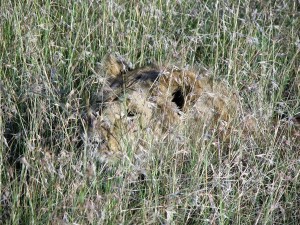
x=51 y=55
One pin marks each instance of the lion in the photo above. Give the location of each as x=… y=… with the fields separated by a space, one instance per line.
x=155 y=100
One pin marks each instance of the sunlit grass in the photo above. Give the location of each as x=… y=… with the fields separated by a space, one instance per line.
x=50 y=58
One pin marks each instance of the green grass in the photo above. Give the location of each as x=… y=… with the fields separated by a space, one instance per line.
x=50 y=58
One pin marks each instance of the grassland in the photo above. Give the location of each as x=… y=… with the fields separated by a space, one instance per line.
x=50 y=58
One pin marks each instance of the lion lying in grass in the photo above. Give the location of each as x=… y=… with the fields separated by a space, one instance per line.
x=156 y=101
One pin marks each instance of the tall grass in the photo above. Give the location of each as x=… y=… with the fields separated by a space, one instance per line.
x=50 y=54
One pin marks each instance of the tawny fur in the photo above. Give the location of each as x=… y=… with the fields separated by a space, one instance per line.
x=156 y=100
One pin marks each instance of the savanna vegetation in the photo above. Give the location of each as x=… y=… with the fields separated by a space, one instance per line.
x=51 y=68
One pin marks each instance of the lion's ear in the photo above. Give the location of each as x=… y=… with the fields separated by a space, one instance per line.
x=115 y=65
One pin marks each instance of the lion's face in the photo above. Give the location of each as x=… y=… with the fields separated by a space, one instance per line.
x=151 y=101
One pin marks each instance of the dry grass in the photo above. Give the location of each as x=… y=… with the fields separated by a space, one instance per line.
x=51 y=56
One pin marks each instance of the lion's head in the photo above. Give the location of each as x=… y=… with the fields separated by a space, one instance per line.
x=154 y=101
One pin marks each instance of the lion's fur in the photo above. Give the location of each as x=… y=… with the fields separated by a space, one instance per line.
x=156 y=100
